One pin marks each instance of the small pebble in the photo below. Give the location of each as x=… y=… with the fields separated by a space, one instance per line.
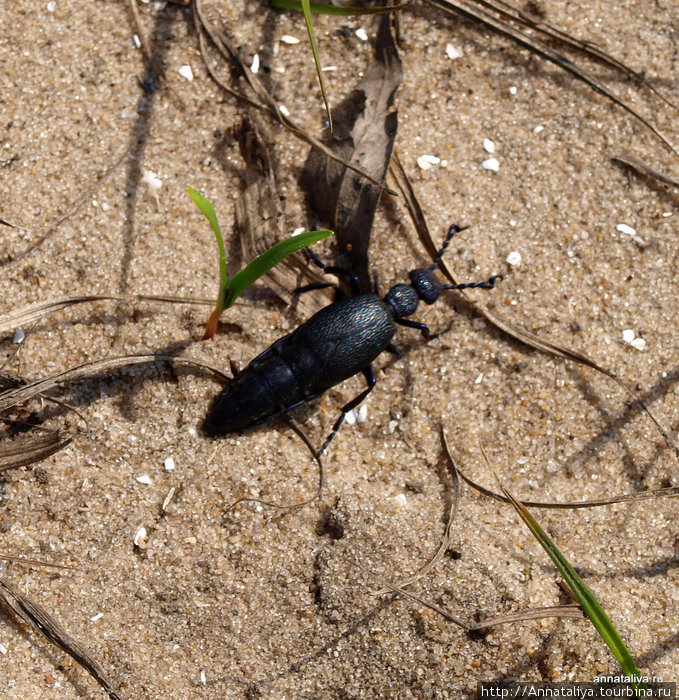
x=144 y=479
x=140 y=536
x=19 y=335
x=627 y=230
x=393 y=424
x=512 y=90
x=514 y=258
x=96 y=617
x=290 y=40
x=51 y=6
x=638 y=344
x=489 y=145
x=297 y=231
x=538 y=129
x=401 y=501
x=169 y=464
x=136 y=40
x=362 y=34
x=284 y=110
x=479 y=379
x=3 y=649
x=491 y=164
x=254 y=66
x=628 y=335
x=453 y=52
x=426 y=162
x=186 y=72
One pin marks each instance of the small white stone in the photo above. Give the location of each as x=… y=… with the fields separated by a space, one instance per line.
x=186 y=72
x=136 y=40
x=514 y=258
x=144 y=479
x=51 y=6
x=628 y=335
x=538 y=129
x=512 y=223
x=479 y=379
x=19 y=335
x=638 y=344
x=627 y=230
x=284 y=110
x=203 y=679
x=489 y=145
x=254 y=66
x=290 y=40
x=491 y=164
x=169 y=464
x=453 y=52
x=426 y=162
x=96 y=617
x=362 y=34
x=393 y=424
x=152 y=181
x=512 y=90
x=297 y=231
x=140 y=536
x=400 y=501
x=362 y=414
x=3 y=649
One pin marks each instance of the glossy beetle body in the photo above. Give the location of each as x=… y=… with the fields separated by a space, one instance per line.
x=336 y=343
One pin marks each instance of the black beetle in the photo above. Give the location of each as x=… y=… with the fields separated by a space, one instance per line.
x=339 y=341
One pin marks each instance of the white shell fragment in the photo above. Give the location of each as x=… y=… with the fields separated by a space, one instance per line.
x=491 y=164
x=140 y=536
x=136 y=40
x=631 y=232
x=152 y=181
x=514 y=258
x=19 y=335
x=362 y=34
x=96 y=617
x=290 y=40
x=254 y=66
x=538 y=129
x=630 y=337
x=284 y=110
x=453 y=52
x=489 y=145
x=144 y=479
x=186 y=72
x=627 y=230
x=426 y=162
x=169 y=464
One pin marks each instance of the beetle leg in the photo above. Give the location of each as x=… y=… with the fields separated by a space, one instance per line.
x=423 y=328
x=333 y=270
x=370 y=379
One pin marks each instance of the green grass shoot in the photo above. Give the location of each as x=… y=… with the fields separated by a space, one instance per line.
x=590 y=605
x=231 y=289
x=342 y=10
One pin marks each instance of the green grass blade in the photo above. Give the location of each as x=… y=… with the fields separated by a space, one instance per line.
x=590 y=605
x=264 y=262
x=306 y=9
x=344 y=11
x=209 y=213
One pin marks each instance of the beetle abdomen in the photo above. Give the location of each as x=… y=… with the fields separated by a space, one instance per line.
x=337 y=342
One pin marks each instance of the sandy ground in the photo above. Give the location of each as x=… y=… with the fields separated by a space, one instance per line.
x=254 y=603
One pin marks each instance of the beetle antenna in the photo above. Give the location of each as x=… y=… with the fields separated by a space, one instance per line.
x=453 y=230
x=488 y=284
